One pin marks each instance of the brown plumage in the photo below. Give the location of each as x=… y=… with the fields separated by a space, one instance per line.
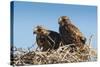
x=70 y=33
x=47 y=39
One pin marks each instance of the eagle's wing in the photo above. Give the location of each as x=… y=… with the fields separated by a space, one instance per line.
x=75 y=30
x=38 y=41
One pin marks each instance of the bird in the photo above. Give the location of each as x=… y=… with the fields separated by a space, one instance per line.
x=69 y=33
x=47 y=39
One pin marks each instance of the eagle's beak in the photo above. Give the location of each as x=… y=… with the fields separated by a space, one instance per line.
x=61 y=23
x=34 y=32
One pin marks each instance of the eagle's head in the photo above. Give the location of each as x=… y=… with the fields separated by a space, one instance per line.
x=40 y=30
x=63 y=20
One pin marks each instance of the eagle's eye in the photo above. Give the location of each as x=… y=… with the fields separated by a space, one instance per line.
x=64 y=20
x=39 y=30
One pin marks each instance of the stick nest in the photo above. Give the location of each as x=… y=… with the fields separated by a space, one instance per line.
x=62 y=55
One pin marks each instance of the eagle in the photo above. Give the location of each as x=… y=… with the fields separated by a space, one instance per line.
x=47 y=39
x=69 y=33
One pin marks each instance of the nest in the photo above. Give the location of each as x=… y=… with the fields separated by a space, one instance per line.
x=64 y=54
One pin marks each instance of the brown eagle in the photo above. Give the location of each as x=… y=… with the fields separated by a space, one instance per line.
x=70 y=34
x=47 y=39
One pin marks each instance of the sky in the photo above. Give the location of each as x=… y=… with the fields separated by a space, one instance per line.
x=27 y=15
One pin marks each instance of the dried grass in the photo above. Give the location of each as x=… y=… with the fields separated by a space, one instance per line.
x=61 y=55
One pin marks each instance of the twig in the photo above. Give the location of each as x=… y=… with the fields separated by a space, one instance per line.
x=90 y=39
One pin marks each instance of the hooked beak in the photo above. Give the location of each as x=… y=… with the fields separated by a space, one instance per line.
x=34 y=32
x=61 y=23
